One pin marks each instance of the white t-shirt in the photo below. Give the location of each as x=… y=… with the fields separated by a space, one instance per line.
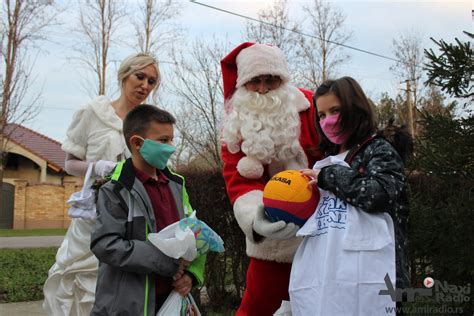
x=340 y=266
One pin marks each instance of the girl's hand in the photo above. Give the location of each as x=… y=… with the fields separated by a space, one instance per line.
x=183 y=285
x=312 y=175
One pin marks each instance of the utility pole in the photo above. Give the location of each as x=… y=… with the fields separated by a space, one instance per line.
x=410 y=109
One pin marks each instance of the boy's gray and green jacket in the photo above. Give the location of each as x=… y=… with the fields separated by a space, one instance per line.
x=128 y=261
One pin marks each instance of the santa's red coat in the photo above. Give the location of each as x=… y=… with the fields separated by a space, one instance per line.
x=270 y=260
x=268 y=279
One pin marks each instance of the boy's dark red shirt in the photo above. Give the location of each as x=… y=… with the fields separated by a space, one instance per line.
x=166 y=213
x=161 y=198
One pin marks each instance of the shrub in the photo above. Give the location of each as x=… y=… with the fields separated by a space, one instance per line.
x=225 y=272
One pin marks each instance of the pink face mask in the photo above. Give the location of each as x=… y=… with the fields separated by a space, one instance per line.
x=331 y=128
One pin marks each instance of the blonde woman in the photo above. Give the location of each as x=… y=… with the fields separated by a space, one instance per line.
x=94 y=136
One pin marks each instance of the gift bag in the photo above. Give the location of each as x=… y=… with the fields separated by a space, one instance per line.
x=284 y=310
x=187 y=239
x=83 y=202
x=176 y=305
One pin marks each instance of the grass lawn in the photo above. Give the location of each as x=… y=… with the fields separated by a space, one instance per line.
x=23 y=272
x=32 y=232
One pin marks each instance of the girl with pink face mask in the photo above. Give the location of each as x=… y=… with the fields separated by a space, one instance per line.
x=355 y=243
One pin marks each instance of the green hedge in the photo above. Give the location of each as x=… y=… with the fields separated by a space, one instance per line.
x=225 y=272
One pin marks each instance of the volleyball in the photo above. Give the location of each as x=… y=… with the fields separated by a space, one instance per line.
x=288 y=197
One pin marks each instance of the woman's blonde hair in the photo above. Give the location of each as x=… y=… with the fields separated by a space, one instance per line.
x=136 y=62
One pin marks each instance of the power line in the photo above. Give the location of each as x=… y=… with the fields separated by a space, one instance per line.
x=56 y=108
x=294 y=31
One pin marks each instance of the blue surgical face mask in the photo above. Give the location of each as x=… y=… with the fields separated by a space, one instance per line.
x=155 y=153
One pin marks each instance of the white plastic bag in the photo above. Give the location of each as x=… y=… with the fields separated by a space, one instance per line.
x=187 y=239
x=83 y=202
x=176 y=305
x=284 y=310
x=175 y=242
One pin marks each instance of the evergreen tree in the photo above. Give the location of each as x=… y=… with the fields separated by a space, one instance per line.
x=441 y=217
x=453 y=69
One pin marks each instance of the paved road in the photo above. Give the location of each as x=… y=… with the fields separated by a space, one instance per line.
x=31 y=242
x=22 y=309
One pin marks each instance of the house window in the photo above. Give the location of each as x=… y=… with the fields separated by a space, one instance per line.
x=12 y=161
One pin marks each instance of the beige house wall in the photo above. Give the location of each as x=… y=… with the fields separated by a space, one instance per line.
x=42 y=205
x=40 y=194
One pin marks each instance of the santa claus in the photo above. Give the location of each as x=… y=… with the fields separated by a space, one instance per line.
x=268 y=127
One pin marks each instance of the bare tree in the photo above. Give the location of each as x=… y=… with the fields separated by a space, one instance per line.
x=23 y=23
x=198 y=88
x=434 y=102
x=153 y=24
x=408 y=50
x=98 y=25
x=274 y=29
x=320 y=55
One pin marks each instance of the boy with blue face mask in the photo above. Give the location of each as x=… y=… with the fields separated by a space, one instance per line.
x=143 y=196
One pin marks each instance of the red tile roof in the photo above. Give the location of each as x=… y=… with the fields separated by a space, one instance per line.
x=38 y=144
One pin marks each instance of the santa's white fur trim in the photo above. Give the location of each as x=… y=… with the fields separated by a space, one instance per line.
x=250 y=168
x=273 y=250
x=260 y=59
x=245 y=210
x=297 y=98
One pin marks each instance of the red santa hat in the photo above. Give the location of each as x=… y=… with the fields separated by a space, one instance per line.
x=250 y=60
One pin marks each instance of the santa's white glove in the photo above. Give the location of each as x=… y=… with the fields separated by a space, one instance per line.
x=245 y=210
x=103 y=168
x=275 y=230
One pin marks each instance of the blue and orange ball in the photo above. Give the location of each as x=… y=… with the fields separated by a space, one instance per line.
x=288 y=197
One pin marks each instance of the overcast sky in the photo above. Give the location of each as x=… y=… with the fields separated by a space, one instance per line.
x=374 y=24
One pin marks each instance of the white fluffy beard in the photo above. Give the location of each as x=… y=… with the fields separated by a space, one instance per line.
x=267 y=124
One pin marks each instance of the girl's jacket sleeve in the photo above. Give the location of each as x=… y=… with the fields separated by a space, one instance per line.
x=376 y=183
x=110 y=244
